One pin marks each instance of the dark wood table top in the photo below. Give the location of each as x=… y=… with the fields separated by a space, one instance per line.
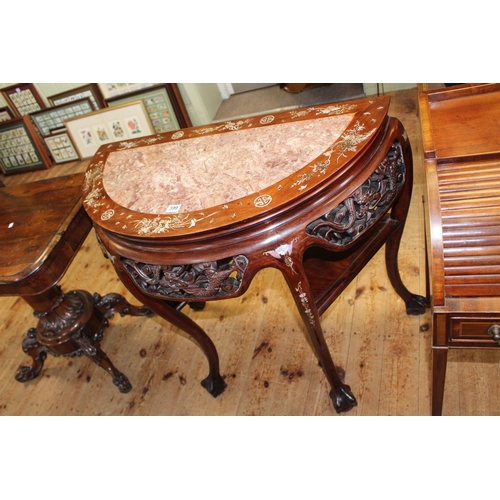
x=42 y=225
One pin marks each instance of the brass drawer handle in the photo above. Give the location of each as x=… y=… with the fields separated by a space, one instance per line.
x=494 y=331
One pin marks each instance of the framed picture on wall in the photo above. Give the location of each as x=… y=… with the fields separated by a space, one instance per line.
x=158 y=106
x=91 y=91
x=61 y=147
x=109 y=90
x=50 y=119
x=21 y=149
x=120 y=123
x=23 y=99
x=6 y=114
x=164 y=104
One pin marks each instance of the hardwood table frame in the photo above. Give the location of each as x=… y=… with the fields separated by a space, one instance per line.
x=462 y=161
x=319 y=237
x=43 y=225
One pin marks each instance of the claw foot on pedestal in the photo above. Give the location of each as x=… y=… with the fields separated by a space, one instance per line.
x=73 y=325
x=38 y=353
x=91 y=348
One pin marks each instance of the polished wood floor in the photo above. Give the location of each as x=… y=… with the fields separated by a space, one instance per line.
x=265 y=357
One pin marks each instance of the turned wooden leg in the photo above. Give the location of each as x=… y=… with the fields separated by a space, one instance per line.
x=214 y=383
x=340 y=394
x=439 y=360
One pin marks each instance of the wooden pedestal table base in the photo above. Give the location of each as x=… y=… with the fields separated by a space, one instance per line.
x=193 y=216
x=42 y=227
x=73 y=325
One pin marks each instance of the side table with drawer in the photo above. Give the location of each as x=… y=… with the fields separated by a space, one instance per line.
x=462 y=159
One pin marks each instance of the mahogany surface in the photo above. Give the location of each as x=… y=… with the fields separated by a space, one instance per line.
x=319 y=224
x=42 y=226
x=462 y=160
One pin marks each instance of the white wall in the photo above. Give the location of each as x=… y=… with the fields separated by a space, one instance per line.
x=202 y=101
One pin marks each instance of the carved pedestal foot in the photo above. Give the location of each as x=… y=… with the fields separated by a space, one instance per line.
x=72 y=324
x=89 y=345
x=215 y=385
x=37 y=352
x=114 y=302
x=343 y=400
x=416 y=305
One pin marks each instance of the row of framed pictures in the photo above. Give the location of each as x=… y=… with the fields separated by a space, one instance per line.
x=21 y=148
x=78 y=122
x=119 y=123
x=162 y=100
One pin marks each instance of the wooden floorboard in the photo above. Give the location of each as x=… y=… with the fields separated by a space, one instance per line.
x=265 y=357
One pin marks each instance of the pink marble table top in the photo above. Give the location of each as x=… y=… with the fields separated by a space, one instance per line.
x=202 y=172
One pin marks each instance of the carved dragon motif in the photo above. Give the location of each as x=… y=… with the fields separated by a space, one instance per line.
x=205 y=280
x=368 y=203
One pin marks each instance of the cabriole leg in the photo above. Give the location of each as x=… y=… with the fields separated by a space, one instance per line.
x=340 y=394
x=214 y=383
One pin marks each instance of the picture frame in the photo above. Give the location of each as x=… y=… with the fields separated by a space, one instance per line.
x=163 y=103
x=21 y=149
x=121 y=123
x=50 y=119
x=23 y=99
x=6 y=114
x=158 y=105
x=110 y=90
x=61 y=147
x=90 y=90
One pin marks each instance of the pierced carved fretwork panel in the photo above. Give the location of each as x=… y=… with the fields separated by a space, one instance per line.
x=366 y=205
x=207 y=280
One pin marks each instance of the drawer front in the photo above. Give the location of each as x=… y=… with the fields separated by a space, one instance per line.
x=475 y=330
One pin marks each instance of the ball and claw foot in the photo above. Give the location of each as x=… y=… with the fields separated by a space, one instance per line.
x=215 y=385
x=122 y=382
x=416 y=305
x=344 y=400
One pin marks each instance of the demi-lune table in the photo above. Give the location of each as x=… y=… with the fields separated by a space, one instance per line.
x=192 y=216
